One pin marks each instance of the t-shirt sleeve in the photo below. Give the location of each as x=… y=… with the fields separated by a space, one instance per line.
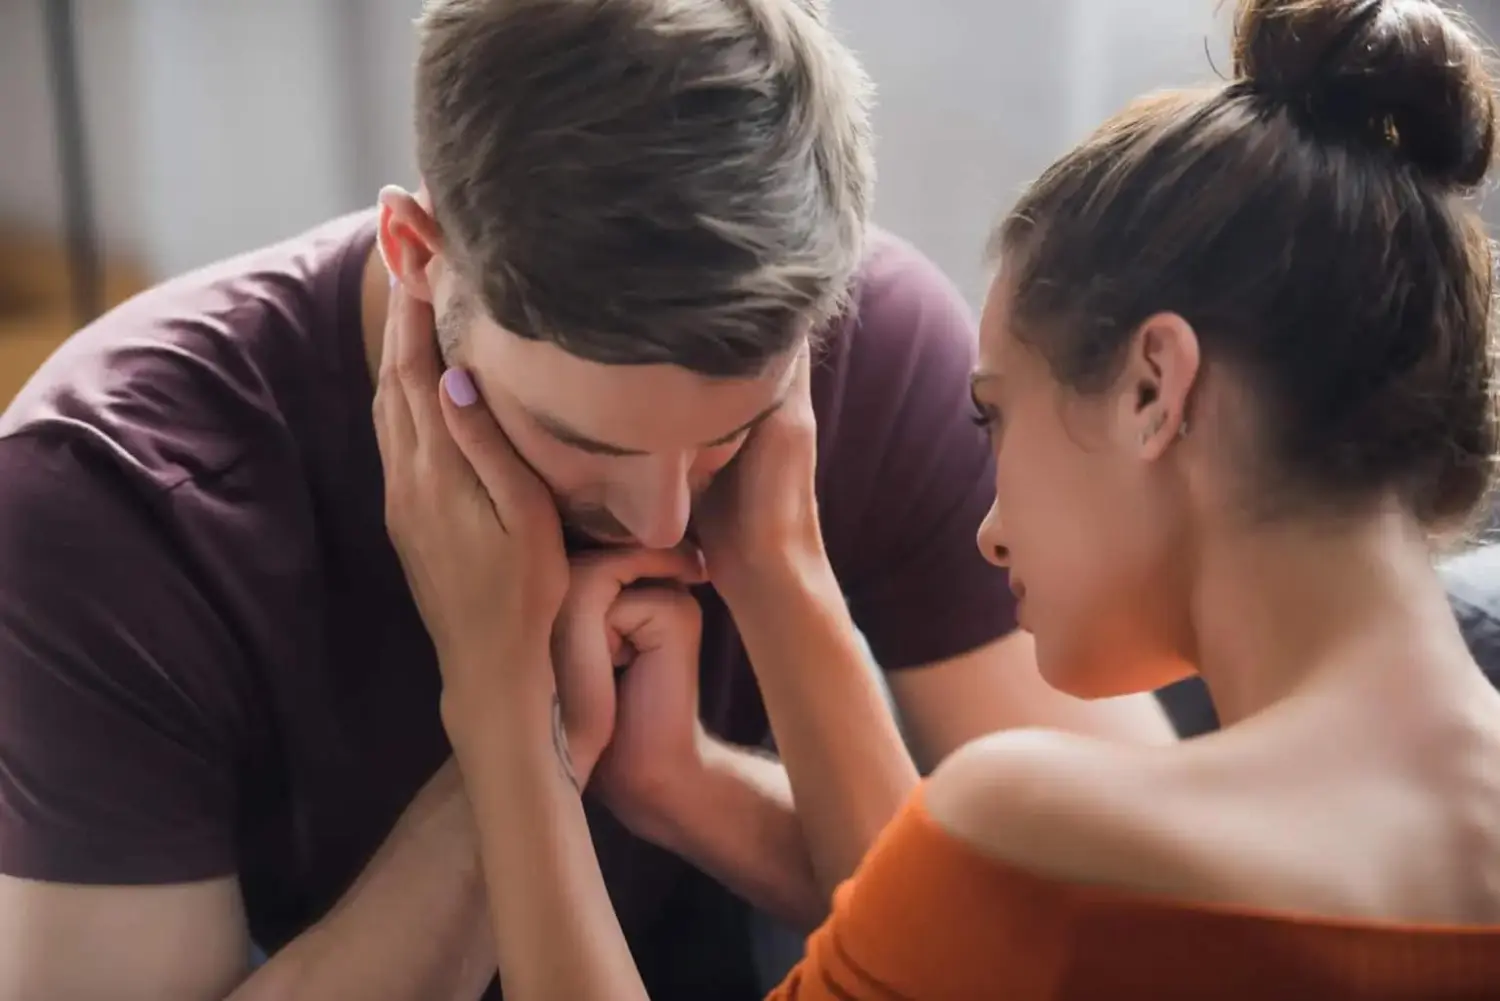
x=115 y=744
x=920 y=475
x=926 y=916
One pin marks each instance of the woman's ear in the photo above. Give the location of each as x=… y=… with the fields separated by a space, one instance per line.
x=1161 y=368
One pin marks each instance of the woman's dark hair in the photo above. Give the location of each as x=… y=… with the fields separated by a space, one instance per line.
x=1308 y=219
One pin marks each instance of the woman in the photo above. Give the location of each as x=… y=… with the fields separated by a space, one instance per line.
x=1235 y=369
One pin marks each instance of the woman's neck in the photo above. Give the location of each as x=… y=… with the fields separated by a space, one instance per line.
x=1280 y=608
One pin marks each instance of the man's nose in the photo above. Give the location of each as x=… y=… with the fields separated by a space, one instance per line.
x=657 y=501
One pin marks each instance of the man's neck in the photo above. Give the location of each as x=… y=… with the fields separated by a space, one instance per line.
x=374 y=296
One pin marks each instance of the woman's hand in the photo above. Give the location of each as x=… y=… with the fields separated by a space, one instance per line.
x=479 y=539
x=476 y=531
x=761 y=514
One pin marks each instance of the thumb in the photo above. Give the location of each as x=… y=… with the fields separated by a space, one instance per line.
x=620 y=568
x=660 y=618
x=598 y=578
x=504 y=474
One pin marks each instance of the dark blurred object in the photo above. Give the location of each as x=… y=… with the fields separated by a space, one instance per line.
x=1189 y=708
x=84 y=262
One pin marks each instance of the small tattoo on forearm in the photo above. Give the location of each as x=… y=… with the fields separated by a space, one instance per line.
x=560 y=742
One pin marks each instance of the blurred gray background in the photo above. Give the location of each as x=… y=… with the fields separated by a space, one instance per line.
x=215 y=125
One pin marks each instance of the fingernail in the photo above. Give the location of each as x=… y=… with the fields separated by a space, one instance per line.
x=459 y=387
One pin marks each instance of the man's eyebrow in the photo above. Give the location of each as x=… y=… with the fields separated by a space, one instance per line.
x=576 y=439
x=746 y=427
x=561 y=432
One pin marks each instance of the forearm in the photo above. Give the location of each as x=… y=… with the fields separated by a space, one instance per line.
x=849 y=768
x=413 y=926
x=735 y=820
x=556 y=934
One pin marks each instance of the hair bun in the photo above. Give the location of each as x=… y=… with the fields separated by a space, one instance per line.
x=1402 y=74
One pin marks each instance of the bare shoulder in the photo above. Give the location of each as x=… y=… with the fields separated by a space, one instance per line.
x=1069 y=807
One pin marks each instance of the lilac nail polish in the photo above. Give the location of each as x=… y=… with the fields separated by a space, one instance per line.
x=459 y=387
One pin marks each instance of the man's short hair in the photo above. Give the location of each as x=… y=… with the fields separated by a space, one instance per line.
x=647 y=181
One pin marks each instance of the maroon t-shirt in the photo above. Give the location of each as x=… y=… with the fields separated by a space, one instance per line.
x=209 y=660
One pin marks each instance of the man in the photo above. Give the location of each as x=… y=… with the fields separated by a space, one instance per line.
x=218 y=705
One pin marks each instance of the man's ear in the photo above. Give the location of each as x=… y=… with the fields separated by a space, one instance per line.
x=409 y=241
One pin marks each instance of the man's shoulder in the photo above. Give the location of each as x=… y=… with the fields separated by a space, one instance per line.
x=900 y=289
x=896 y=369
x=903 y=477
x=182 y=378
x=907 y=339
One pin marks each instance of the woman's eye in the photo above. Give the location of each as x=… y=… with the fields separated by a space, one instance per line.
x=985 y=418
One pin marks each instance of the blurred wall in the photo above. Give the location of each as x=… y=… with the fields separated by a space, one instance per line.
x=216 y=126
x=213 y=125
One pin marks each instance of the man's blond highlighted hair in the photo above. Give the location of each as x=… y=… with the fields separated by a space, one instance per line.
x=647 y=181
